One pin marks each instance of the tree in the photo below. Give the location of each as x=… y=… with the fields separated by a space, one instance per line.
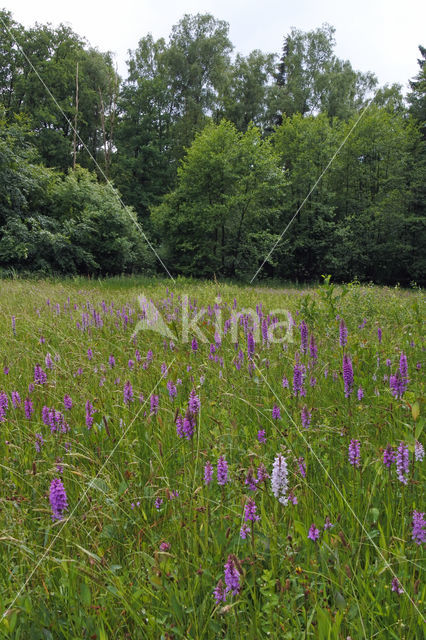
x=226 y=199
x=245 y=96
x=310 y=78
x=305 y=146
x=143 y=166
x=197 y=58
x=417 y=96
x=53 y=54
x=171 y=91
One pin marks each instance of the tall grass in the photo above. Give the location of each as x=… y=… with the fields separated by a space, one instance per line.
x=144 y=541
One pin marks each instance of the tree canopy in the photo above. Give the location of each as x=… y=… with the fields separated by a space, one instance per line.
x=219 y=156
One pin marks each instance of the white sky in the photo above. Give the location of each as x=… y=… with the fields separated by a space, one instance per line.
x=376 y=35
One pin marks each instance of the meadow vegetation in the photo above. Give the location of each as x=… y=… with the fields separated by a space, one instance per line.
x=265 y=483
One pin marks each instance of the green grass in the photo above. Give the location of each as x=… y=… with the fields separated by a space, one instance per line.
x=100 y=572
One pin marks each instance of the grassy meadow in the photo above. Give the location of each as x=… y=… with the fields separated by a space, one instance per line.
x=260 y=484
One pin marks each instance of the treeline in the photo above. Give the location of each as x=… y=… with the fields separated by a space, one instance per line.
x=211 y=154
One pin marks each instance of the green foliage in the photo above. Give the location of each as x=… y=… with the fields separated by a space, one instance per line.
x=65 y=224
x=355 y=199
x=310 y=78
x=229 y=189
x=118 y=567
x=52 y=54
x=417 y=96
x=246 y=94
x=362 y=209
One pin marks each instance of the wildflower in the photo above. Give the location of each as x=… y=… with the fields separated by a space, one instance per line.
x=402 y=462
x=39 y=442
x=388 y=456
x=40 y=376
x=188 y=426
x=154 y=400
x=208 y=473
x=302 y=466
x=29 y=408
x=419 y=527
x=111 y=361
x=306 y=417
x=219 y=592
x=89 y=354
x=131 y=364
x=348 y=375
x=128 y=393
x=265 y=331
x=232 y=576
x=250 y=480
x=194 y=402
x=250 y=511
x=58 y=499
x=194 y=345
x=279 y=479
x=303 y=337
x=379 y=334
x=276 y=413
x=419 y=452
x=250 y=345
x=327 y=524
x=292 y=498
x=343 y=334
x=313 y=533
x=164 y=546
x=261 y=436
x=298 y=380
x=285 y=383
x=403 y=370
x=396 y=586
x=158 y=502
x=171 y=388
x=354 y=452
x=179 y=426
x=244 y=531
x=313 y=350
x=262 y=474
x=89 y=413
x=4 y=403
x=395 y=385
x=14 y=325
x=16 y=399
x=360 y=394
x=67 y=402
x=222 y=471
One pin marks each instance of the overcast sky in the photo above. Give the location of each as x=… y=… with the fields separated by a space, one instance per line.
x=377 y=35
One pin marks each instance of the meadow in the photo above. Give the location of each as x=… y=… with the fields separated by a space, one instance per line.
x=214 y=461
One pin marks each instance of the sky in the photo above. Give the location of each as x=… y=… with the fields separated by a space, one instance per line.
x=375 y=35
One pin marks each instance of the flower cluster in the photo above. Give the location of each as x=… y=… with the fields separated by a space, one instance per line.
x=279 y=479
x=58 y=499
